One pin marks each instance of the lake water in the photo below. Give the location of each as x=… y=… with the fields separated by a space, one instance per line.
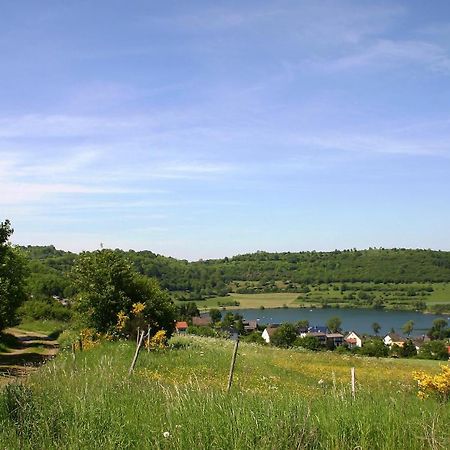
x=359 y=320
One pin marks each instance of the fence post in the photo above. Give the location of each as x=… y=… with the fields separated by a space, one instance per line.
x=353 y=382
x=148 y=339
x=136 y=354
x=233 y=362
x=80 y=343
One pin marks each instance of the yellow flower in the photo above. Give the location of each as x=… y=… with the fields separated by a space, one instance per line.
x=138 y=308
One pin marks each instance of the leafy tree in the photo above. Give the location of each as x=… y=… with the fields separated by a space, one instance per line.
x=308 y=342
x=376 y=327
x=408 y=350
x=408 y=327
x=284 y=336
x=254 y=337
x=12 y=277
x=374 y=347
x=228 y=319
x=302 y=324
x=334 y=324
x=107 y=284
x=434 y=350
x=215 y=315
x=187 y=310
x=439 y=330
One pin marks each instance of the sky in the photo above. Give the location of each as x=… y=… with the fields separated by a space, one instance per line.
x=206 y=129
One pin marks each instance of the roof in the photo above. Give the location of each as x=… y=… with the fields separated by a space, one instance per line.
x=181 y=325
x=395 y=337
x=351 y=340
x=334 y=335
x=316 y=334
x=201 y=321
x=352 y=332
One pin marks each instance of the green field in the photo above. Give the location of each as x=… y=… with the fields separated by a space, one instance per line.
x=393 y=296
x=176 y=399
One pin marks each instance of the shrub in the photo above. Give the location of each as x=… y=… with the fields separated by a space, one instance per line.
x=44 y=309
x=436 y=385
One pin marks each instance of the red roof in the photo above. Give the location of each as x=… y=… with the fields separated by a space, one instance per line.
x=181 y=325
x=351 y=340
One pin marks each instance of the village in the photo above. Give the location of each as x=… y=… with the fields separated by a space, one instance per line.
x=318 y=337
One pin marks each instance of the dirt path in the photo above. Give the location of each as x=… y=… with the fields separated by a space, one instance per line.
x=35 y=349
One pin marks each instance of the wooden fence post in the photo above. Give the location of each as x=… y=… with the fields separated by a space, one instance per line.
x=353 y=382
x=148 y=339
x=233 y=362
x=136 y=354
x=80 y=343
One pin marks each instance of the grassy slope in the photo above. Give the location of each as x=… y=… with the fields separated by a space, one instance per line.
x=276 y=402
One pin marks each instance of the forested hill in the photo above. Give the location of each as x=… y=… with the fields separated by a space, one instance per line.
x=258 y=272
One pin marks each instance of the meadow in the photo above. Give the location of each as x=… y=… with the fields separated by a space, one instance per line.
x=361 y=294
x=176 y=398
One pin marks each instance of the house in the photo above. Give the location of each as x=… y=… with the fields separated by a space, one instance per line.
x=419 y=341
x=315 y=329
x=353 y=340
x=269 y=331
x=250 y=325
x=334 y=339
x=181 y=327
x=394 y=339
x=202 y=321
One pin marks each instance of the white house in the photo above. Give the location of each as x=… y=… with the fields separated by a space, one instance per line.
x=269 y=331
x=353 y=340
x=394 y=339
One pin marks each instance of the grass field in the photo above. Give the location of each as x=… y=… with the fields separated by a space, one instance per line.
x=176 y=399
x=331 y=293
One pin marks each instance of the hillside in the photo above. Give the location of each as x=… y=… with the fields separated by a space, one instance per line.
x=176 y=399
x=257 y=272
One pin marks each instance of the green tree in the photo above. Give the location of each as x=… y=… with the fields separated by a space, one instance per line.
x=284 y=336
x=215 y=315
x=439 y=330
x=408 y=350
x=228 y=319
x=12 y=277
x=334 y=324
x=309 y=342
x=302 y=324
x=434 y=350
x=106 y=284
x=374 y=347
x=376 y=327
x=408 y=327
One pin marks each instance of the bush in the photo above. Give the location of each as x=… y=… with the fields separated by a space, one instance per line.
x=375 y=348
x=308 y=342
x=44 y=309
x=284 y=336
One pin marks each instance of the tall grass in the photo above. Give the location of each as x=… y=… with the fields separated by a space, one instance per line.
x=176 y=399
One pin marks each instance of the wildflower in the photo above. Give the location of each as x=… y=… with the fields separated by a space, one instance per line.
x=166 y=434
x=321 y=382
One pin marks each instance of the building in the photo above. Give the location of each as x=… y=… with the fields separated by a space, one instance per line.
x=353 y=340
x=181 y=327
x=334 y=339
x=394 y=339
x=269 y=331
x=202 y=321
x=250 y=325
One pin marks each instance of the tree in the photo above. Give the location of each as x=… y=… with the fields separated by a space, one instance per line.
x=408 y=350
x=106 y=285
x=309 y=342
x=215 y=315
x=408 y=327
x=334 y=324
x=434 y=350
x=376 y=327
x=284 y=336
x=439 y=330
x=374 y=347
x=187 y=310
x=12 y=277
x=303 y=324
x=228 y=319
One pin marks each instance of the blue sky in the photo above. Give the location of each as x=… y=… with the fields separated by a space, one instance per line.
x=205 y=128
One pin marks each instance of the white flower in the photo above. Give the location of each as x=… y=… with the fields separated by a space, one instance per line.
x=321 y=382
x=166 y=434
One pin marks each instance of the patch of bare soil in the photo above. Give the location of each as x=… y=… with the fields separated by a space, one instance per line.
x=34 y=350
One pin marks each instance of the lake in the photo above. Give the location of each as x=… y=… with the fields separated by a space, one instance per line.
x=359 y=320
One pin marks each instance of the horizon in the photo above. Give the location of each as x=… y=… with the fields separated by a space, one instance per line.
x=206 y=128
x=237 y=254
